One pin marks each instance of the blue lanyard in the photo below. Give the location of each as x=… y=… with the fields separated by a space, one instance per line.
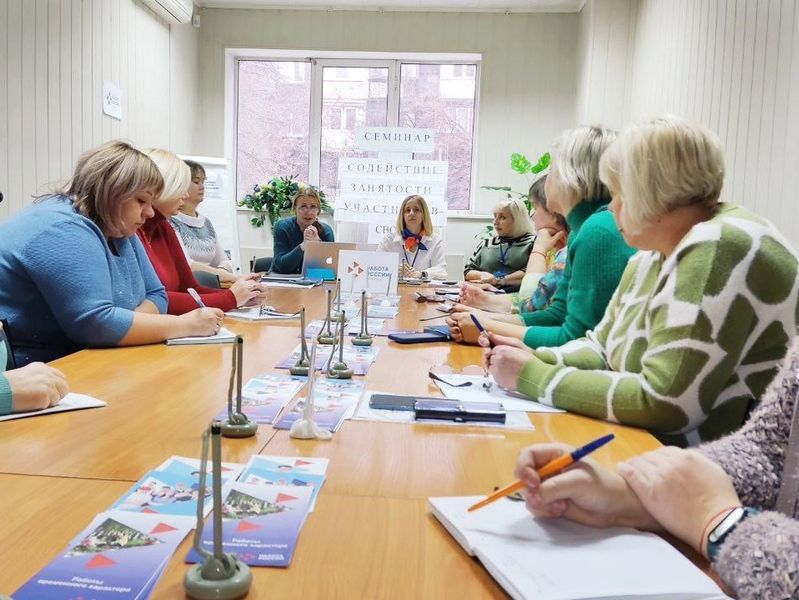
x=415 y=255
x=502 y=254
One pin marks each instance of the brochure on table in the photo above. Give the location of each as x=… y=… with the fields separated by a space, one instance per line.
x=263 y=397
x=260 y=523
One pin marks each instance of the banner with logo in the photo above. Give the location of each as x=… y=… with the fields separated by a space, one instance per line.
x=375 y=272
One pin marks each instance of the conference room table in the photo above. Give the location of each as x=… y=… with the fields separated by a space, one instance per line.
x=370 y=535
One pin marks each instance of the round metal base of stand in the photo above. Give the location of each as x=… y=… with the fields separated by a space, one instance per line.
x=362 y=341
x=299 y=370
x=326 y=340
x=239 y=430
x=334 y=373
x=200 y=588
x=337 y=317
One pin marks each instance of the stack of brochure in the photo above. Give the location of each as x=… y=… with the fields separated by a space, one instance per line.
x=335 y=400
x=124 y=551
x=263 y=397
x=264 y=512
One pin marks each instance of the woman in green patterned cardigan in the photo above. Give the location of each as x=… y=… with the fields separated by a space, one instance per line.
x=703 y=313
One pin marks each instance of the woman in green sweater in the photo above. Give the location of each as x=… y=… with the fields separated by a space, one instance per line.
x=597 y=254
x=703 y=314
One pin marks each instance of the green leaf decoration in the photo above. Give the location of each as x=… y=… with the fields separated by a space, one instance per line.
x=542 y=164
x=519 y=163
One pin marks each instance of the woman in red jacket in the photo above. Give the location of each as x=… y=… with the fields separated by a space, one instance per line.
x=167 y=256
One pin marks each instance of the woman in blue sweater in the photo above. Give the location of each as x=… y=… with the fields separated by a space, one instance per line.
x=291 y=233
x=74 y=273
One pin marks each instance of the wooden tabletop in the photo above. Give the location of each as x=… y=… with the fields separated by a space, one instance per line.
x=370 y=536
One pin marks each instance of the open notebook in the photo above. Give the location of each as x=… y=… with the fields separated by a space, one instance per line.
x=561 y=560
x=223 y=336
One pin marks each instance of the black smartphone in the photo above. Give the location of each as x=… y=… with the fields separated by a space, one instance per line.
x=395 y=402
x=418 y=337
x=460 y=412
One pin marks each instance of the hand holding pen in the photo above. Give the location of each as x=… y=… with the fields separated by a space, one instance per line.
x=205 y=315
x=532 y=474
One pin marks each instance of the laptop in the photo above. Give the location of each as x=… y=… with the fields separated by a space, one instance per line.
x=321 y=259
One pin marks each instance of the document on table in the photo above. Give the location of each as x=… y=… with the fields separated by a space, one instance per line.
x=364 y=412
x=223 y=336
x=71 y=401
x=475 y=392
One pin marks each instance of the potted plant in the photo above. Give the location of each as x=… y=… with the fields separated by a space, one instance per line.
x=274 y=199
x=522 y=165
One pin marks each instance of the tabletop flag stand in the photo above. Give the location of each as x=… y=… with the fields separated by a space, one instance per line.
x=363 y=338
x=303 y=362
x=306 y=427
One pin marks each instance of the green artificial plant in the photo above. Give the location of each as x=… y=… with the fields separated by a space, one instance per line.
x=275 y=198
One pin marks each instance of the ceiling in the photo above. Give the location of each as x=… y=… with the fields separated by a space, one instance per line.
x=408 y=5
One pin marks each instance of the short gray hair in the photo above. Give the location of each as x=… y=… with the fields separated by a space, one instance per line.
x=575 y=160
x=662 y=164
x=521 y=217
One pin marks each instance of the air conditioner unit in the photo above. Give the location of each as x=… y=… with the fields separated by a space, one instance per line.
x=174 y=12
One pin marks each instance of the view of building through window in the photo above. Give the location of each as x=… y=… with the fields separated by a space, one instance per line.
x=275 y=132
x=441 y=97
x=351 y=97
x=273 y=128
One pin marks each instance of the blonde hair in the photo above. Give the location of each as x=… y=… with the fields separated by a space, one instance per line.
x=662 y=164
x=575 y=160
x=427 y=221
x=522 y=223
x=104 y=177
x=306 y=191
x=176 y=173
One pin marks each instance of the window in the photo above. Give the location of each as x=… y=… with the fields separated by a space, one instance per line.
x=279 y=133
x=446 y=105
x=273 y=120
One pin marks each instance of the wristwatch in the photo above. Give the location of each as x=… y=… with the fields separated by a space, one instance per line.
x=424 y=274
x=726 y=526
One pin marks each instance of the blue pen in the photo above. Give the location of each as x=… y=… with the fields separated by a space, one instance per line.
x=481 y=329
x=549 y=469
x=193 y=293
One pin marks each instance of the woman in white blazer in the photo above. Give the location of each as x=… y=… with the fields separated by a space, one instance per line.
x=420 y=249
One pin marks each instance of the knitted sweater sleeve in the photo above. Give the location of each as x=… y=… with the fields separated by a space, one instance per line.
x=759 y=558
x=79 y=292
x=597 y=259
x=180 y=302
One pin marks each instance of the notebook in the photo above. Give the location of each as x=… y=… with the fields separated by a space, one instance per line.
x=223 y=336
x=71 y=401
x=562 y=560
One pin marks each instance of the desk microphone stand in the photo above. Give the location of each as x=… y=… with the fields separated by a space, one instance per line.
x=303 y=363
x=337 y=315
x=339 y=369
x=237 y=424
x=306 y=428
x=363 y=338
x=220 y=575
x=326 y=336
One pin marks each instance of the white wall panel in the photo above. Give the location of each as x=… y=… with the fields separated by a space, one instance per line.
x=731 y=64
x=54 y=57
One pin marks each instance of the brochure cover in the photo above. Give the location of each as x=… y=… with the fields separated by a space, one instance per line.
x=257 y=476
x=263 y=397
x=373 y=326
x=180 y=465
x=260 y=523
x=164 y=492
x=334 y=401
x=119 y=555
x=289 y=464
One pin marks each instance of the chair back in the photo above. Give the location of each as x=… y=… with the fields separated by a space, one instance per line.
x=206 y=279
x=5 y=347
x=261 y=265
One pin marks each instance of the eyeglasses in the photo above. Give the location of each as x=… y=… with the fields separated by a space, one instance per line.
x=470 y=375
x=269 y=311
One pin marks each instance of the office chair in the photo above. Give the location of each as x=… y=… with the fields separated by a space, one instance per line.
x=4 y=339
x=261 y=265
x=206 y=279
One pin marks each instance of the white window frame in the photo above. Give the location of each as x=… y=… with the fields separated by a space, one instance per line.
x=327 y=58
